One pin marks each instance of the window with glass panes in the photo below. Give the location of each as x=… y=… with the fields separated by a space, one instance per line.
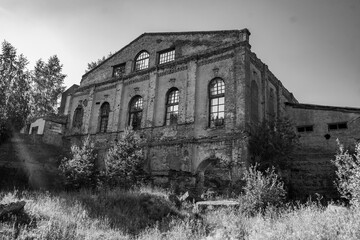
x=167 y=56
x=135 y=112
x=217 y=102
x=119 y=70
x=104 y=116
x=142 y=61
x=172 y=107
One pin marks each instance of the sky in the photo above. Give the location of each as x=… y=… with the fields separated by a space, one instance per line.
x=311 y=46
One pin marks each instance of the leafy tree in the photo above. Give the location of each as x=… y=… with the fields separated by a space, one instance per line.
x=273 y=143
x=48 y=85
x=124 y=161
x=348 y=173
x=15 y=90
x=92 y=65
x=79 y=169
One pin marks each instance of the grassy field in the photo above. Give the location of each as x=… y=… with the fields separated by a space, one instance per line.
x=148 y=214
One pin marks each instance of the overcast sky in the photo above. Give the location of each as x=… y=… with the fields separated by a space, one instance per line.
x=312 y=46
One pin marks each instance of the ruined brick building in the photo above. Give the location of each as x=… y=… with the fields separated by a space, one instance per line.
x=192 y=95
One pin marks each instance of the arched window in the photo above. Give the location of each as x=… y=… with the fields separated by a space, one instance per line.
x=172 y=107
x=104 y=116
x=254 y=101
x=78 y=117
x=135 y=112
x=142 y=61
x=217 y=102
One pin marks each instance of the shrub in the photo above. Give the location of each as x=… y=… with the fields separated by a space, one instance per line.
x=124 y=161
x=273 y=143
x=348 y=173
x=261 y=190
x=79 y=169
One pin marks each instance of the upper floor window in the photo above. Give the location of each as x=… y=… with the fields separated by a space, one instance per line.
x=167 y=56
x=308 y=128
x=142 y=61
x=217 y=102
x=337 y=126
x=172 y=107
x=104 y=116
x=78 y=117
x=135 y=112
x=119 y=70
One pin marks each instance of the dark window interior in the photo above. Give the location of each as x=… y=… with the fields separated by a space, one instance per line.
x=337 y=126
x=119 y=70
x=308 y=128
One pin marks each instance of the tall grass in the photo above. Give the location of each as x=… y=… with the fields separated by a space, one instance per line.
x=147 y=214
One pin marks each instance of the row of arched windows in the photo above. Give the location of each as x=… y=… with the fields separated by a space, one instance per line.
x=216 y=108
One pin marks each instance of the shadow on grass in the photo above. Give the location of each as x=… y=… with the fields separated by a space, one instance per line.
x=130 y=212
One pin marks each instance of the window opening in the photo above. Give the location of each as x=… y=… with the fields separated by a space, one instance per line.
x=167 y=56
x=104 y=116
x=337 y=126
x=172 y=107
x=119 y=70
x=217 y=102
x=142 y=61
x=308 y=128
x=78 y=117
x=135 y=114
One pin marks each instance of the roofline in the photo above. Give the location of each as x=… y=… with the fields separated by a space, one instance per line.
x=322 y=107
x=197 y=56
x=165 y=33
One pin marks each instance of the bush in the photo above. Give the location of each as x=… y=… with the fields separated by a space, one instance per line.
x=272 y=144
x=261 y=190
x=79 y=169
x=124 y=161
x=348 y=173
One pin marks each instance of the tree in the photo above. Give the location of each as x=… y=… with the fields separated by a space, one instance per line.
x=348 y=173
x=271 y=144
x=48 y=85
x=124 y=161
x=79 y=170
x=15 y=90
x=92 y=65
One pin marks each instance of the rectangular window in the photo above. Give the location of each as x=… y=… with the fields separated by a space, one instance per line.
x=337 y=126
x=119 y=70
x=308 y=128
x=167 y=56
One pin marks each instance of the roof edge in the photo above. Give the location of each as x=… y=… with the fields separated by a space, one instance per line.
x=323 y=107
x=165 y=33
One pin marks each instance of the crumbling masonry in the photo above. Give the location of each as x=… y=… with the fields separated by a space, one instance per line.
x=192 y=96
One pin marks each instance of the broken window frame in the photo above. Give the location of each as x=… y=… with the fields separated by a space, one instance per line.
x=172 y=107
x=216 y=101
x=119 y=70
x=135 y=112
x=142 y=61
x=104 y=117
